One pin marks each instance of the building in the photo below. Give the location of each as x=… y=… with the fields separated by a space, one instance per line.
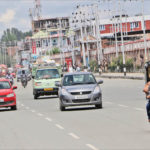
x=50 y=33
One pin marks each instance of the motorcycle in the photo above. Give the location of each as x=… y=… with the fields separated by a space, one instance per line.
x=24 y=82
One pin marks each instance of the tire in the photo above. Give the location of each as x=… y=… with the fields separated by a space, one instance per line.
x=62 y=108
x=35 y=96
x=99 y=106
x=14 y=107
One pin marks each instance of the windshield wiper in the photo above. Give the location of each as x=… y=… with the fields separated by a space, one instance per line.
x=77 y=83
x=90 y=83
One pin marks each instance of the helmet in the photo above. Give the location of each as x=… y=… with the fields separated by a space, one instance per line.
x=23 y=71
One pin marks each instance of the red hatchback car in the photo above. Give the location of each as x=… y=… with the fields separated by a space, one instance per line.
x=7 y=94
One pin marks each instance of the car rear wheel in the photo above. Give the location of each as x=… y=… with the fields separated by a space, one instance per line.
x=14 y=107
x=99 y=106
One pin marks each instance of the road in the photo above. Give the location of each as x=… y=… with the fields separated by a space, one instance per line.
x=38 y=124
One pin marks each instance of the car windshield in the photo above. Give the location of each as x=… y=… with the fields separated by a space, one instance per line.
x=78 y=79
x=47 y=74
x=4 y=85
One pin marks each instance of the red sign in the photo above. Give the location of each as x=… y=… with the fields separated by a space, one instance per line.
x=33 y=47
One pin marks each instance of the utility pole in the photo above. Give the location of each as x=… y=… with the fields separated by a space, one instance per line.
x=144 y=32
x=122 y=40
x=98 y=35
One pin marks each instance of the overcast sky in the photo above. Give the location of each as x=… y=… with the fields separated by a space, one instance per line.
x=15 y=13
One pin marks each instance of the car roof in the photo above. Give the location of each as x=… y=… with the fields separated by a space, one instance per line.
x=77 y=73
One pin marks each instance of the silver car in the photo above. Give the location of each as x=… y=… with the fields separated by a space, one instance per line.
x=80 y=88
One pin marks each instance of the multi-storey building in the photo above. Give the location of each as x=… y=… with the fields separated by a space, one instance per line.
x=50 y=33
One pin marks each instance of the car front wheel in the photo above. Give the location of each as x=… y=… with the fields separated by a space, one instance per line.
x=99 y=106
x=62 y=108
x=14 y=107
x=35 y=96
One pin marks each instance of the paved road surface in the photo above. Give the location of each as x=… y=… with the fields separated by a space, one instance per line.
x=38 y=124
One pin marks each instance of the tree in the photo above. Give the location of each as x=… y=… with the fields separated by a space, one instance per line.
x=13 y=34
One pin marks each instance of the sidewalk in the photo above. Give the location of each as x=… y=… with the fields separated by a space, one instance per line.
x=135 y=76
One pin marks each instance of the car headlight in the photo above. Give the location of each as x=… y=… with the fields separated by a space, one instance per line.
x=64 y=92
x=37 y=83
x=10 y=95
x=96 y=90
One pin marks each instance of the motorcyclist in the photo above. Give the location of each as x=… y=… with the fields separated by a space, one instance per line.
x=10 y=78
x=24 y=78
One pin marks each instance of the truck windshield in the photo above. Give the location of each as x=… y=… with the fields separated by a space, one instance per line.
x=47 y=74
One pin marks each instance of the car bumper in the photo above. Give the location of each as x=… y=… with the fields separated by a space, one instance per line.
x=8 y=102
x=43 y=92
x=72 y=101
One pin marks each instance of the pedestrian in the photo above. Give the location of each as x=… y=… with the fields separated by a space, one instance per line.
x=146 y=90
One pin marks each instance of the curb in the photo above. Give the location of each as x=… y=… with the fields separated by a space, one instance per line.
x=120 y=77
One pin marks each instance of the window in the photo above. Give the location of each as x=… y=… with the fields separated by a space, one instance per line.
x=4 y=85
x=134 y=25
x=47 y=74
x=79 y=79
x=102 y=27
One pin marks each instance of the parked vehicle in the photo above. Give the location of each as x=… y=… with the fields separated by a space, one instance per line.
x=80 y=88
x=7 y=94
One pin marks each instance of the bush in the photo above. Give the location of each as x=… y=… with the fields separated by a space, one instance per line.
x=119 y=62
x=94 y=66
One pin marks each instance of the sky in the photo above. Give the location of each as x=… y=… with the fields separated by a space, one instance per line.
x=15 y=13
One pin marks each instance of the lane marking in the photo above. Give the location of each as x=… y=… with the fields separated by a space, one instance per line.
x=27 y=108
x=49 y=119
x=124 y=106
x=39 y=114
x=139 y=109
x=33 y=111
x=74 y=136
x=91 y=146
x=59 y=126
x=22 y=105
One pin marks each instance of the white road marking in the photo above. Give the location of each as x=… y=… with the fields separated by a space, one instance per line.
x=124 y=106
x=74 y=136
x=91 y=146
x=22 y=105
x=27 y=107
x=59 y=126
x=139 y=109
x=33 y=111
x=48 y=119
x=39 y=114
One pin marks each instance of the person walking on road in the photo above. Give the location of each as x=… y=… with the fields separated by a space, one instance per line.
x=147 y=92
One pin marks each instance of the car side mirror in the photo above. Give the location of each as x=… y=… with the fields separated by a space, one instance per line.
x=100 y=82
x=58 y=84
x=14 y=87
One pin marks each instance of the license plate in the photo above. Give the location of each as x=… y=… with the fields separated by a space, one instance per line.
x=81 y=97
x=48 y=89
x=1 y=100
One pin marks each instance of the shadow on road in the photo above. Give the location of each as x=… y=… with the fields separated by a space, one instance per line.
x=82 y=109
x=46 y=98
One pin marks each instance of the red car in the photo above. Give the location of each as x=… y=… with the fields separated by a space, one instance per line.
x=7 y=94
